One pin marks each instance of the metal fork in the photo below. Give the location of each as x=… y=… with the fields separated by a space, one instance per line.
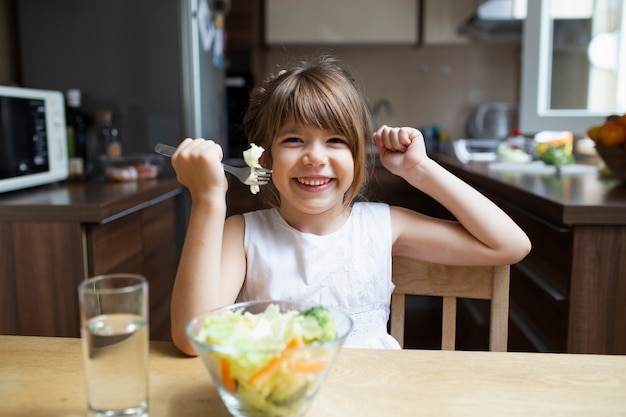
x=243 y=174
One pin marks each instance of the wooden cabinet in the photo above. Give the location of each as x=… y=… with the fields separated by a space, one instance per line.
x=142 y=242
x=323 y=22
x=243 y=25
x=54 y=237
x=540 y=284
x=441 y=20
x=244 y=39
x=567 y=294
x=40 y=267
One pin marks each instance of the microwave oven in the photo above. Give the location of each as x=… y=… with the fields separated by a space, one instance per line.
x=33 y=138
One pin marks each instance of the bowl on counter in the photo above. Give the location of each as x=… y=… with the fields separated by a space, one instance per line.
x=475 y=150
x=614 y=158
x=132 y=167
x=259 y=364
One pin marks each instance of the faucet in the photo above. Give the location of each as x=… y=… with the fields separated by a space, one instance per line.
x=376 y=109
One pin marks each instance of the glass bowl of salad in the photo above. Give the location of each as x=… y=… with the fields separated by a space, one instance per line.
x=268 y=358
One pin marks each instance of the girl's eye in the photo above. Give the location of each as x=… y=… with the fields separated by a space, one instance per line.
x=292 y=140
x=338 y=140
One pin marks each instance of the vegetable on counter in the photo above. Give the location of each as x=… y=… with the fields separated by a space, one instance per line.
x=507 y=151
x=557 y=155
x=555 y=148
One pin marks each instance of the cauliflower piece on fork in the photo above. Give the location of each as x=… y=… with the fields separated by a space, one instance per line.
x=251 y=157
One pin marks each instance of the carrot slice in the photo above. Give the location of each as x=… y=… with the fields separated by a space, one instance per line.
x=266 y=372
x=295 y=342
x=228 y=381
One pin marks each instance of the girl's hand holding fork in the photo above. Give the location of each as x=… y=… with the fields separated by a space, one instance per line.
x=198 y=166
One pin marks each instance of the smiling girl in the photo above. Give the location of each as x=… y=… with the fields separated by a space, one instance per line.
x=319 y=243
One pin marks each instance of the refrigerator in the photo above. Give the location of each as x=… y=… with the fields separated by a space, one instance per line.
x=157 y=65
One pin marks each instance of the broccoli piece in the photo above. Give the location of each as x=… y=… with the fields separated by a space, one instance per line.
x=557 y=155
x=325 y=321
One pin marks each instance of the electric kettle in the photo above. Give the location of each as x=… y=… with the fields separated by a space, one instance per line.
x=493 y=120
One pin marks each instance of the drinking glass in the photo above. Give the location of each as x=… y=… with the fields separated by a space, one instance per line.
x=114 y=334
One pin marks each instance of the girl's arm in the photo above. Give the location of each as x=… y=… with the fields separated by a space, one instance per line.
x=198 y=287
x=483 y=233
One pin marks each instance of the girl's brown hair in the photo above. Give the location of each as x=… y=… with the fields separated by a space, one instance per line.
x=320 y=93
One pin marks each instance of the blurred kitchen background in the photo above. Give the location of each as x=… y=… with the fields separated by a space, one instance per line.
x=171 y=69
x=428 y=76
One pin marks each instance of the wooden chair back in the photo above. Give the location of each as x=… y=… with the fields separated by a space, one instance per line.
x=413 y=277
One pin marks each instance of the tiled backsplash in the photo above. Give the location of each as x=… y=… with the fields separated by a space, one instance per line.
x=428 y=85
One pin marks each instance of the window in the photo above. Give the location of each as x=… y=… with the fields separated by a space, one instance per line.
x=574 y=64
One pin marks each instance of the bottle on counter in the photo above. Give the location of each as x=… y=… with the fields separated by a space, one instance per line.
x=76 y=125
x=103 y=145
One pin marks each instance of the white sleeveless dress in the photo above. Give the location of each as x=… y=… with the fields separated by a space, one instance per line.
x=349 y=269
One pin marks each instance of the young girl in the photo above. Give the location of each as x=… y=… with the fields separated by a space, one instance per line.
x=317 y=244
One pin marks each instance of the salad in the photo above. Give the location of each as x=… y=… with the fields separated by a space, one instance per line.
x=269 y=363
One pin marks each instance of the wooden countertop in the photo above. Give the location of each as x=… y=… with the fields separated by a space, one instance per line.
x=565 y=199
x=45 y=376
x=97 y=202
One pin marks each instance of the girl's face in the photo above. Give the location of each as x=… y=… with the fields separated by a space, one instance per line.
x=312 y=169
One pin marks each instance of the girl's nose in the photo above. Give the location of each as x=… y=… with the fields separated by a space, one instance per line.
x=315 y=154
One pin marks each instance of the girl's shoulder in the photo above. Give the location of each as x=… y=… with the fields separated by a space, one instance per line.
x=260 y=214
x=370 y=212
x=371 y=207
x=264 y=218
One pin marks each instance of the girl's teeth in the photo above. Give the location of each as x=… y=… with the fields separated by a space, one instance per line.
x=315 y=182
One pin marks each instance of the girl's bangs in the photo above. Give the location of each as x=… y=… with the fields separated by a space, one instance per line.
x=308 y=105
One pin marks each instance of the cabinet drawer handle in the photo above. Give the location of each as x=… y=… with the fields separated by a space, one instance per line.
x=527 y=331
x=141 y=206
x=541 y=220
x=542 y=283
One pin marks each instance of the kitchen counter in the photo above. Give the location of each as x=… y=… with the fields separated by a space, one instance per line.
x=568 y=294
x=81 y=201
x=565 y=199
x=55 y=236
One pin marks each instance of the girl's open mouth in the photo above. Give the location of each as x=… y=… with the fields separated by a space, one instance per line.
x=314 y=182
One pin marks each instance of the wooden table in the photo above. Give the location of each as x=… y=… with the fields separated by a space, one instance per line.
x=44 y=376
